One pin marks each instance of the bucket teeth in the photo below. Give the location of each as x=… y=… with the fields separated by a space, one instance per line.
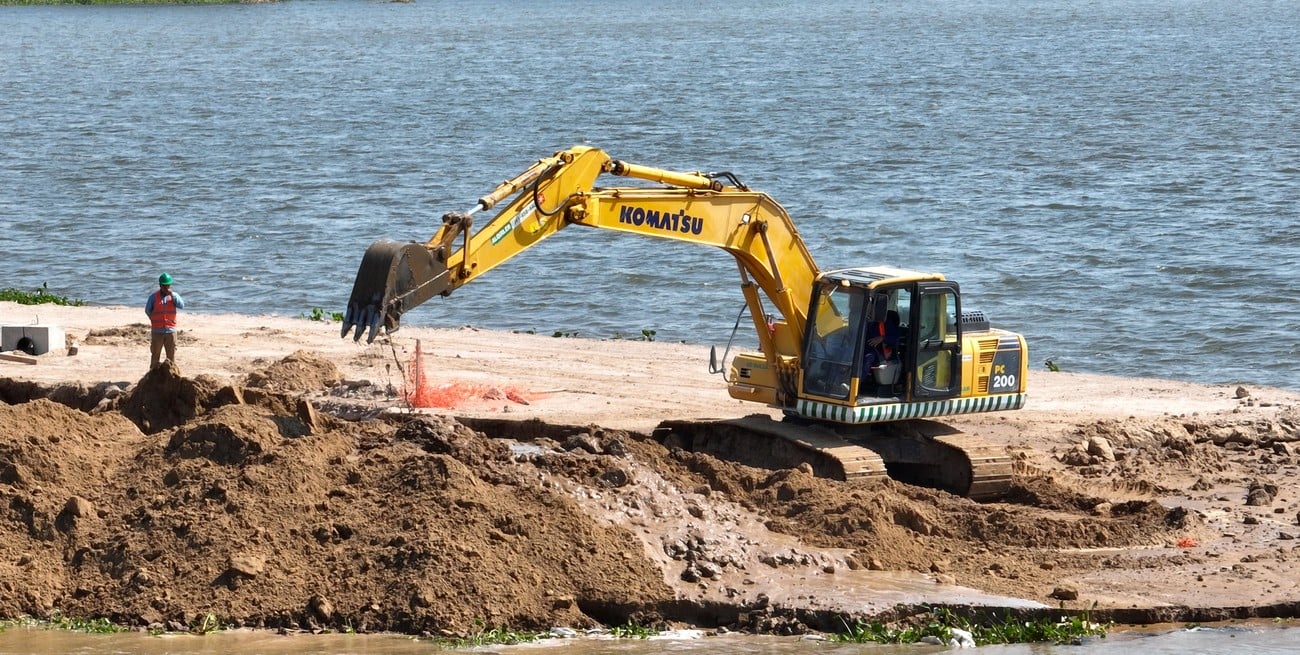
x=394 y=277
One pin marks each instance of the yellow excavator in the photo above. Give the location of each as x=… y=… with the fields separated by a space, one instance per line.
x=857 y=359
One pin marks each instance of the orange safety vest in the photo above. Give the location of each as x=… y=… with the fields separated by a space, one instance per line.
x=164 y=311
x=880 y=327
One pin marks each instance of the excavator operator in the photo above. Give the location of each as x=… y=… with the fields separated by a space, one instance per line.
x=882 y=335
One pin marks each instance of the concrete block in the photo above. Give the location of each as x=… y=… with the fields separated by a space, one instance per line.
x=9 y=336
x=44 y=338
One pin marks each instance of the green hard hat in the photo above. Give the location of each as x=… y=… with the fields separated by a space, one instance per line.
x=164 y=279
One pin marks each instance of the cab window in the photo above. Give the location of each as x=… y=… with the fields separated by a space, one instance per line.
x=938 y=320
x=832 y=341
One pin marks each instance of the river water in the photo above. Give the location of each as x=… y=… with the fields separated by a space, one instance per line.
x=1117 y=179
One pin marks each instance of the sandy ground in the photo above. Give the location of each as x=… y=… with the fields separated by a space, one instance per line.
x=209 y=488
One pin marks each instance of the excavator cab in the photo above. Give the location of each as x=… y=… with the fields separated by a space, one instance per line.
x=882 y=337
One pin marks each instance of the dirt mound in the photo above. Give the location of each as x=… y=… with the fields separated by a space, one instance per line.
x=233 y=435
x=885 y=516
x=417 y=526
x=1020 y=546
x=161 y=501
x=300 y=371
x=1171 y=454
x=47 y=443
x=77 y=395
x=163 y=399
x=134 y=334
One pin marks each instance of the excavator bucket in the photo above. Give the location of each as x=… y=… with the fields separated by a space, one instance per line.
x=394 y=277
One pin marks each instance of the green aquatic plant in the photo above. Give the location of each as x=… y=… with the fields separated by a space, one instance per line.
x=58 y=621
x=208 y=625
x=875 y=632
x=631 y=630
x=1064 y=631
x=939 y=623
x=485 y=636
x=41 y=296
x=318 y=314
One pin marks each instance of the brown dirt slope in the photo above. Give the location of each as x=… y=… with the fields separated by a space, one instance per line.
x=181 y=498
x=242 y=491
x=263 y=520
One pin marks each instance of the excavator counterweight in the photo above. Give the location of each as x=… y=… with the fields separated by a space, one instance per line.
x=855 y=359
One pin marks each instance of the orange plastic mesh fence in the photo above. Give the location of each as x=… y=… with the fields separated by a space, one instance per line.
x=421 y=392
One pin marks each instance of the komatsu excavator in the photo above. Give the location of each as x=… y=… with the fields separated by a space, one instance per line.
x=856 y=359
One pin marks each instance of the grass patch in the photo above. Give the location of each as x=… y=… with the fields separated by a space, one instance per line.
x=41 y=296
x=938 y=624
x=646 y=335
x=204 y=625
x=485 y=636
x=208 y=625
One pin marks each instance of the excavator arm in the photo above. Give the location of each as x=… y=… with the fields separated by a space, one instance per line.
x=396 y=277
x=560 y=191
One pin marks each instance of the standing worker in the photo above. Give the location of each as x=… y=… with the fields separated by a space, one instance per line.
x=161 y=308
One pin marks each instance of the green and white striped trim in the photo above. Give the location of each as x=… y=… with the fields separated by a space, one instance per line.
x=899 y=411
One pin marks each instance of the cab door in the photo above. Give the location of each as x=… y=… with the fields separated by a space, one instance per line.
x=832 y=342
x=936 y=338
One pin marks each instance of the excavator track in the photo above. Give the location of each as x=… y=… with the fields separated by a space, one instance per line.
x=921 y=452
x=989 y=464
x=750 y=441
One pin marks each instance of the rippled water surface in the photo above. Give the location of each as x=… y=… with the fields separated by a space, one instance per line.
x=1118 y=180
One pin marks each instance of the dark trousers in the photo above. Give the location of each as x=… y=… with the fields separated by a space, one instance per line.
x=158 y=343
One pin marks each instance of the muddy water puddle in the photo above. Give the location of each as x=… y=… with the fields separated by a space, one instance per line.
x=1256 y=639
x=35 y=641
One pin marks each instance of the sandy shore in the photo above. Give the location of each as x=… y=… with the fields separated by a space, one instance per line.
x=1151 y=499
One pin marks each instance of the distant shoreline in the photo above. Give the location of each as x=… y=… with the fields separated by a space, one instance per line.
x=19 y=3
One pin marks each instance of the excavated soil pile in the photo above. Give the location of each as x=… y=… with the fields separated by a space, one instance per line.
x=182 y=501
x=300 y=371
x=161 y=502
